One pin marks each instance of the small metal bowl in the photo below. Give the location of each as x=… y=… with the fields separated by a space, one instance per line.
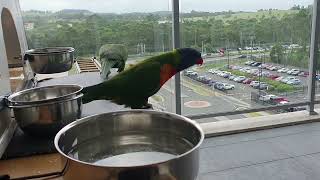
x=50 y=60
x=135 y=144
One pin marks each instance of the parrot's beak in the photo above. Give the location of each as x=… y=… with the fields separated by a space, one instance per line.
x=199 y=61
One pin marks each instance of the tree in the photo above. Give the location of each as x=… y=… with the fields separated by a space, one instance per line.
x=277 y=54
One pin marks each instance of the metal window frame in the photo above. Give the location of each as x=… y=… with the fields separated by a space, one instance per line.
x=312 y=68
x=176 y=44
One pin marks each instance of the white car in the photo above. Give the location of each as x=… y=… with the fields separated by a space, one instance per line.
x=290 y=78
x=273 y=68
x=254 y=83
x=294 y=82
x=228 y=86
x=267 y=97
x=239 y=79
x=292 y=71
x=211 y=71
x=283 y=70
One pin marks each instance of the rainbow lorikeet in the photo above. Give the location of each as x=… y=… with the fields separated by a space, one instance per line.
x=112 y=56
x=135 y=85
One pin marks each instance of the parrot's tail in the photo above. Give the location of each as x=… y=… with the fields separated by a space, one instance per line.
x=92 y=93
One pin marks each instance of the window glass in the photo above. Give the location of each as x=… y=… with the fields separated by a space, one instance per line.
x=256 y=55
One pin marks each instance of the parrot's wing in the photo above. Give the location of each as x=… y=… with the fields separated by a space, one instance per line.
x=135 y=85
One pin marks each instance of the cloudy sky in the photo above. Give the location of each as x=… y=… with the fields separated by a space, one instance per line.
x=121 y=6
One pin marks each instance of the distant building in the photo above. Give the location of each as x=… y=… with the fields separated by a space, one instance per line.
x=164 y=22
x=28 y=26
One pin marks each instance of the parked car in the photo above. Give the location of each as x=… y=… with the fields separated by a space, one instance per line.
x=294 y=82
x=254 y=83
x=267 y=97
x=261 y=85
x=278 y=100
x=249 y=62
x=220 y=73
x=247 y=81
x=239 y=79
x=234 y=67
x=219 y=86
x=279 y=78
x=273 y=76
x=242 y=56
x=256 y=64
x=273 y=68
x=253 y=71
x=232 y=77
x=223 y=86
x=226 y=74
x=294 y=72
x=191 y=73
x=212 y=71
x=264 y=66
x=293 y=109
x=245 y=69
x=266 y=74
x=285 y=80
x=283 y=70
x=228 y=86
x=303 y=74
x=212 y=83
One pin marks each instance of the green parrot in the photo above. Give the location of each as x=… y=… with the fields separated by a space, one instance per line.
x=135 y=85
x=112 y=56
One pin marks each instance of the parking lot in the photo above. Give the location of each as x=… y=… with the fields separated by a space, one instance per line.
x=240 y=89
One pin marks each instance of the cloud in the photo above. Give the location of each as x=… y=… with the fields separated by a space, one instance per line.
x=121 y=6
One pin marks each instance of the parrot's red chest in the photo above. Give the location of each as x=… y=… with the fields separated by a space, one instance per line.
x=166 y=72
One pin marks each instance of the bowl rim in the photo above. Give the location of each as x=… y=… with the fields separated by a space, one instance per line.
x=40 y=51
x=12 y=102
x=88 y=118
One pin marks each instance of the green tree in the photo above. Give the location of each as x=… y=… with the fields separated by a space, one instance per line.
x=277 y=54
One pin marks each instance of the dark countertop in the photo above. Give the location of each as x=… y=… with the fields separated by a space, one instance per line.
x=287 y=153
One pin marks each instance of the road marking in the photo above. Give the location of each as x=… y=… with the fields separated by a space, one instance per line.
x=172 y=92
x=257 y=114
x=198 y=89
x=222 y=118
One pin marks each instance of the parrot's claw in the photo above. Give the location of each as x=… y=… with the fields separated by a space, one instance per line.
x=148 y=106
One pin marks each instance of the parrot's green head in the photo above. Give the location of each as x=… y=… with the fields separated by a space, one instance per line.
x=188 y=58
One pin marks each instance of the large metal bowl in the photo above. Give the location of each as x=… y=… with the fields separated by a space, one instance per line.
x=136 y=144
x=44 y=111
x=50 y=60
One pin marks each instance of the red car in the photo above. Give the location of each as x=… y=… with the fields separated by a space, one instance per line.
x=279 y=99
x=273 y=76
x=304 y=74
x=247 y=81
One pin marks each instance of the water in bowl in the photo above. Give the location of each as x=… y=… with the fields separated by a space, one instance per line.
x=135 y=159
x=132 y=149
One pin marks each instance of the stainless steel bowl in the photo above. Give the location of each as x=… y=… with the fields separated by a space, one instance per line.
x=50 y=60
x=136 y=144
x=45 y=110
x=44 y=94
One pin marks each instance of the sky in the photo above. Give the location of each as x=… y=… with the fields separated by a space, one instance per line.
x=124 y=6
